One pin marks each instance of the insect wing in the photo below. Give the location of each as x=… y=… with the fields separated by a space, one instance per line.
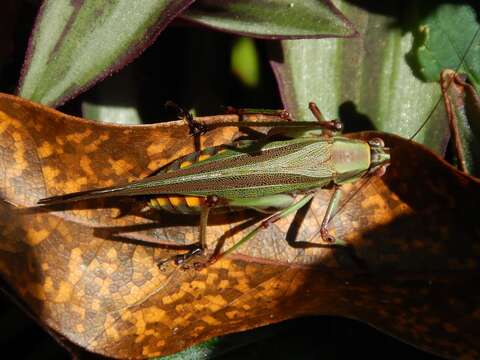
x=257 y=169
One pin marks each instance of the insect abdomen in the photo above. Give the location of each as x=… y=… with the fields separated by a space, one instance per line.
x=177 y=204
x=181 y=203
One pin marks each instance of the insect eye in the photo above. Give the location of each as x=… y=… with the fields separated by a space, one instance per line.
x=338 y=125
x=376 y=142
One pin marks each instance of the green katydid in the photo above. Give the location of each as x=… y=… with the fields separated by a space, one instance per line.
x=268 y=175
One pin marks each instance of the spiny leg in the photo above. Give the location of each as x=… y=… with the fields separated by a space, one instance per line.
x=264 y=225
x=275 y=118
x=335 y=126
x=267 y=118
x=288 y=128
x=275 y=113
x=332 y=125
x=195 y=128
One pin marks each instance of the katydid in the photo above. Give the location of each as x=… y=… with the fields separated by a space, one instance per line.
x=293 y=161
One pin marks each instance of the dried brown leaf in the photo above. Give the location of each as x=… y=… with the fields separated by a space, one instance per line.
x=411 y=268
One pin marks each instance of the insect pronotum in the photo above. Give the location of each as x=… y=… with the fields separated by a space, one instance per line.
x=278 y=174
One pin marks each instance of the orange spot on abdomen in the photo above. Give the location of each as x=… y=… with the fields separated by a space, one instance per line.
x=177 y=203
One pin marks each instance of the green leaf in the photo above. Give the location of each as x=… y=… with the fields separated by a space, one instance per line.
x=442 y=39
x=229 y=346
x=124 y=115
x=365 y=81
x=464 y=105
x=77 y=43
x=272 y=19
x=245 y=62
x=114 y=100
x=201 y=351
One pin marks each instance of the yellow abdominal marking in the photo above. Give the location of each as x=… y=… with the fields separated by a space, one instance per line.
x=203 y=157
x=193 y=201
x=185 y=164
x=176 y=200
x=161 y=201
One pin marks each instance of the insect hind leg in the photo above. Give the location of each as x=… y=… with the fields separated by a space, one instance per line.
x=334 y=126
x=274 y=113
x=195 y=128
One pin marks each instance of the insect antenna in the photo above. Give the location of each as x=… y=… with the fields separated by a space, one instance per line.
x=369 y=178
x=430 y=114
x=459 y=65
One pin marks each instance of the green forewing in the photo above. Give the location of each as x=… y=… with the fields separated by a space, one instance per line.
x=255 y=170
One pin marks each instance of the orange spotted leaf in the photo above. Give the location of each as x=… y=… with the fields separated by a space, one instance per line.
x=89 y=271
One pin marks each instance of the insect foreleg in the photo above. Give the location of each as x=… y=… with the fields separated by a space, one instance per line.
x=331 y=209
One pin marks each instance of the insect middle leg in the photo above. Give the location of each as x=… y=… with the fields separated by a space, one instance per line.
x=326 y=237
x=284 y=201
x=262 y=204
x=263 y=225
x=200 y=248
